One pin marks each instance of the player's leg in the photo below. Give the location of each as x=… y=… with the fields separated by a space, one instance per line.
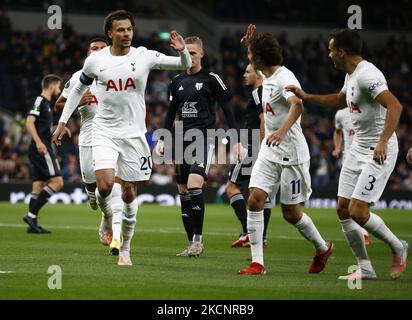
x=134 y=164
x=238 y=204
x=88 y=175
x=355 y=238
x=117 y=216
x=44 y=168
x=369 y=188
x=187 y=217
x=267 y=212
x=130 y=207
x=105 y=153
x=264 y=182
x=194 y=186
x=31 y=218
x=197 y=176
x=295 y=189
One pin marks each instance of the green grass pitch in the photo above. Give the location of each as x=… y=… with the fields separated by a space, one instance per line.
x=88 y=272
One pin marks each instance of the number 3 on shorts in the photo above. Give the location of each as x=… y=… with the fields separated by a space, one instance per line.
x=371 y=182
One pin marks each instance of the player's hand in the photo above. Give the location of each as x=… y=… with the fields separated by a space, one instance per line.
x=239 y=151
x=336 y=152
x=41 y=148
x=248 y=35
x=176 y=41
x=409 y=156
x=297 y=91
x=160 y=148
x=59 y=133
x=380 y=152
x=275 y=138
x=87 y=98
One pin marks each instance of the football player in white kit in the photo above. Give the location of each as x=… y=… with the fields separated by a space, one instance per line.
x=283 y=159
x=110 y=225
x=119 y=127
x=342 y=139
x=375 y=113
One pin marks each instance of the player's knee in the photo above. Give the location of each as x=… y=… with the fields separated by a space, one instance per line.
x=342 y=210
x=358 y=209
x=105 y=188
x=128 y=194
x=255 y=203
x=291 y=213
x=231 y=189
x=56 y=183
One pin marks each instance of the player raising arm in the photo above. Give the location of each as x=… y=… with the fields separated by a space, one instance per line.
x=119 y=127
x=283 y=160
x=375 y=113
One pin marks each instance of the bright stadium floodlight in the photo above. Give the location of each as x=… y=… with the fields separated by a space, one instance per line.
x=165 y=36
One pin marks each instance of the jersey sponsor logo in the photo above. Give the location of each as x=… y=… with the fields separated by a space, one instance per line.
x=353 y=108
x=94 y=101
x=268 y=108
x=375 y=85
x=118 y=85
x=199 y=86
x=180 y=88
x=189 y=110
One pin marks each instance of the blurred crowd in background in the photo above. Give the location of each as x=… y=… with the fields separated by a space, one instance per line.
x=63 y=53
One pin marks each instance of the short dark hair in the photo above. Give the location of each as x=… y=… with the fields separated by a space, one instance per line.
x=266 y=49
x=49 y=80
x=347 y=39
x=98 y=38
x=116 y=15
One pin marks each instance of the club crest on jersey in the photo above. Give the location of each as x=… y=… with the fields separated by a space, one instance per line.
x=189 y=110
x=133 y=64
x=117 y=85
x=199 y=86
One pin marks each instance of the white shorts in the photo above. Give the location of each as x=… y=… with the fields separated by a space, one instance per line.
x=294 y=180
x=86 y=164
x=362 y=178
x=131 y=157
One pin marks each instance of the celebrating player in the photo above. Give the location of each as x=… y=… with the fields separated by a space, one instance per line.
x=283 y=159
x=118 y=134
x=342 y=139
x=110 y=226
x=45 y=173
x=254 y=121
x=193 y=95
x=375 y=113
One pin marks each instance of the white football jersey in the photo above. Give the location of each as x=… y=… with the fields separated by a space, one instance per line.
x=120 y=88
x=87 y=111
x=343 y=122
x=368 y=116
x=294 y=148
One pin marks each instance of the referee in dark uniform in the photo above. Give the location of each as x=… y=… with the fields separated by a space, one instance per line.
x=240 y=172
x=193 y=94
x=45 y=171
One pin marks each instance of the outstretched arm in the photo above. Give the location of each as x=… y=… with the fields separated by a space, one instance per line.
x=334 y=100
x=174 y=63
